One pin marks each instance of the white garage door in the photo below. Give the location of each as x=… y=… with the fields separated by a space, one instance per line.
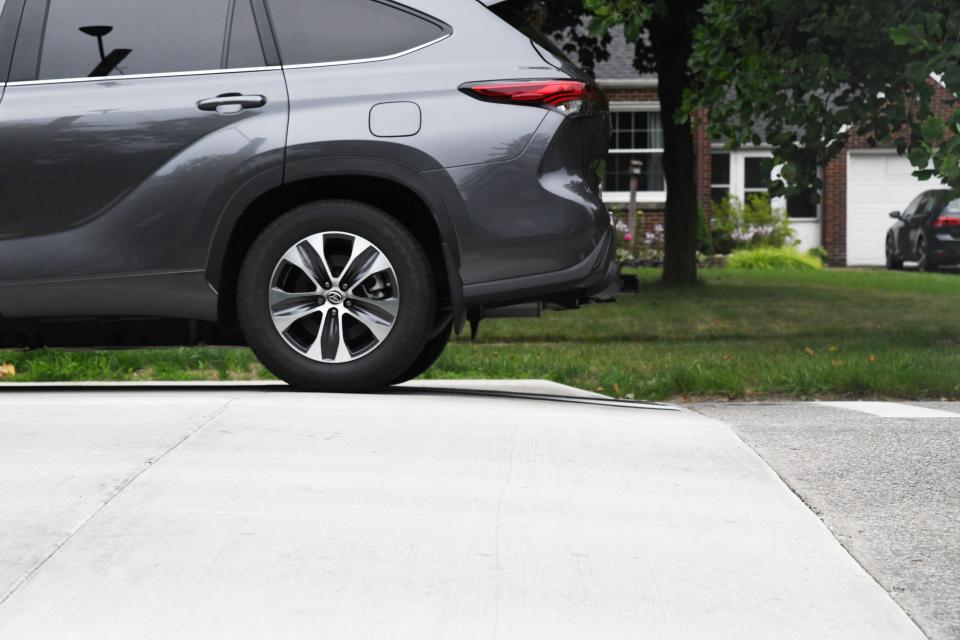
x=877 y=183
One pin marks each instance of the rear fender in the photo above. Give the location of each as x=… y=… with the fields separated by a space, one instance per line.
x=391 y=162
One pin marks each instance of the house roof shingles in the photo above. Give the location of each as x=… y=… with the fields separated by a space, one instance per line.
x=620 y=64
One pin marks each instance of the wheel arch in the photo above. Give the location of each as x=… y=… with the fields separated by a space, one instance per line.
x=393 y=188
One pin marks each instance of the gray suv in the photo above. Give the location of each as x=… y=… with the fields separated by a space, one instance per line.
x=338 y=184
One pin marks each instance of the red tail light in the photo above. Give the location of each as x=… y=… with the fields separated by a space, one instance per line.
x=947 y=220
x=566 y=96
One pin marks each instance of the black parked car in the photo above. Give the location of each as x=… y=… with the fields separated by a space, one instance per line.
x=338 y=184
x=927 y=232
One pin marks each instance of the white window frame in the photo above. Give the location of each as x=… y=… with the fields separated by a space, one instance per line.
x=648 y=197
x=738 y=178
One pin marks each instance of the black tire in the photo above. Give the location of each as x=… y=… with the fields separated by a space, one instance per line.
x=413 y=323
x=924 y=263
x=893 y=262
x=429 y=356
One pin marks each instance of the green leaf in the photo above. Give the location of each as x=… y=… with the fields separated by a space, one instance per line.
x=901 y=35
x=933 y=130
x=919 y=156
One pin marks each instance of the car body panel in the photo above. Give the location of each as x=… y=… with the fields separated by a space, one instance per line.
x=132 y=195
x=916 y=223
x=524 y=212
x=91 y=170
x=121 y=180
x=505 y=238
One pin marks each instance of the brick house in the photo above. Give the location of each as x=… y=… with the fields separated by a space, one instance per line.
x=861 y=186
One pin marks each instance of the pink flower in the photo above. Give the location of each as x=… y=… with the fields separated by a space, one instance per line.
x=628 y=237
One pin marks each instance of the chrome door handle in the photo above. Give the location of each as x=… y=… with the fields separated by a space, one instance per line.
x=229 y=103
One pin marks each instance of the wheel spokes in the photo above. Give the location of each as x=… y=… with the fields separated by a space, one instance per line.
x=330 y=345
x=365 y=261
x=377 y=316
x=288 y=308
x=314 y=250
x=345 y=303
x=307 y=256
x=280 y=300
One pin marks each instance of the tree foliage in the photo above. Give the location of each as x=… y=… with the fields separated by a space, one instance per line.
x=632 y=14
x=565 y=20
x=803 y=76
x=806 y=75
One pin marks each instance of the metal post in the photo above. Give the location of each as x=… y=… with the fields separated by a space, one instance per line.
x=636 y=169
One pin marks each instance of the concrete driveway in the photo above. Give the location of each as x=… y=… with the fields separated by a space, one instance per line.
x=451 y=511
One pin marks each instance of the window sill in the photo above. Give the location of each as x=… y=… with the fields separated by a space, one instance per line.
x=644 y=198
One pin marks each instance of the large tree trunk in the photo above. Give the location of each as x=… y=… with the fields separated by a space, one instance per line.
x=671 y=37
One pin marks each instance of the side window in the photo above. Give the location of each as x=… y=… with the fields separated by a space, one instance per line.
x=314 y=31
x=97 y=38
x=913 y=207
x=244 y=50
x=3 y=45
x=923 y=206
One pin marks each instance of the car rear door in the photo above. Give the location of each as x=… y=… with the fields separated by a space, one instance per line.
x=904 y=245
x=125 y=128
x=916 y=219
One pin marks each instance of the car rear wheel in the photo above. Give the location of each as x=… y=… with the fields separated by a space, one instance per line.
x=924 y=263
x=893 y=262
x=336 y=296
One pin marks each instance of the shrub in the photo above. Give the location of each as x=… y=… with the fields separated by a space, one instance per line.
x=773 y=258
x=704 y=234
x=651 y=248
x=624 y=239
x=747 y=226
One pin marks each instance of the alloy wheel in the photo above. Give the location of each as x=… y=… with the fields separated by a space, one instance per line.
x=334 y=297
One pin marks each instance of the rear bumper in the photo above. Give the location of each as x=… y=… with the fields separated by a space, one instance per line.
x=595 y=278
x=945 y=249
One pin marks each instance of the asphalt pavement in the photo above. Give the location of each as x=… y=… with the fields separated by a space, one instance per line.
x=479 y=510
x=885 y=478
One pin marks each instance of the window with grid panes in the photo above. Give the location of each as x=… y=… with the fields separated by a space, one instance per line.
x=637 y=135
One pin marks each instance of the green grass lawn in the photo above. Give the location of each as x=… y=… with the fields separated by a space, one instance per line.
x=741 y=334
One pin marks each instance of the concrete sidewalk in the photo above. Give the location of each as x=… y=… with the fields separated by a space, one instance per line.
x=482 y=511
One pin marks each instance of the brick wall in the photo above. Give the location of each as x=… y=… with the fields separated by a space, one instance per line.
x=703 y=151
x=833 y=223
x=632 y=95
x=652 y=219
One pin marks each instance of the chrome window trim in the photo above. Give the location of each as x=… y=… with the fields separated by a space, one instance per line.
x=393 y=56
x=177 y=74
x=140 y=76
